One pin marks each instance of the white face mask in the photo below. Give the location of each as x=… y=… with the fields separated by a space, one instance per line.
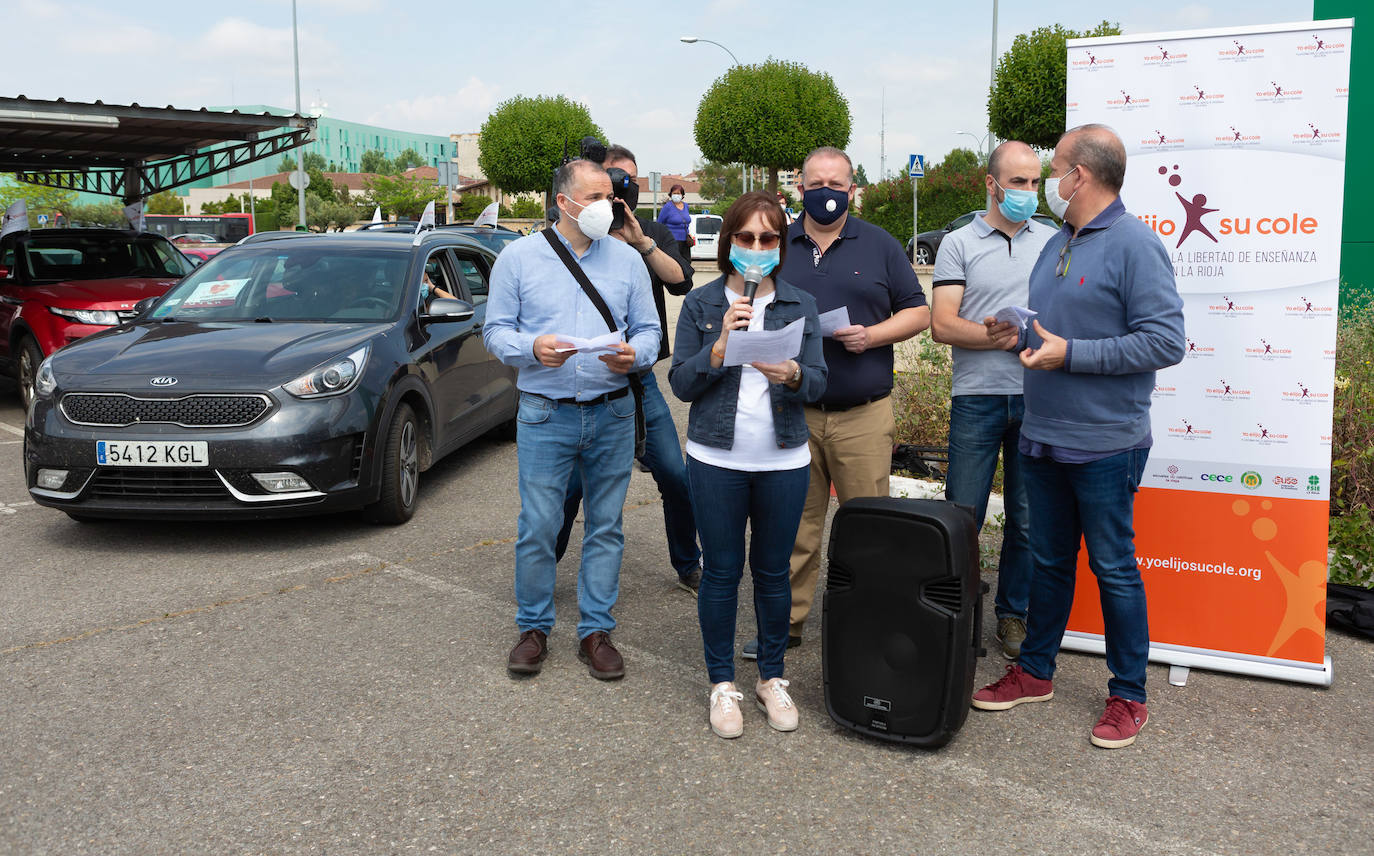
x=1058 y=204
x=676 y=197
x=596 y=218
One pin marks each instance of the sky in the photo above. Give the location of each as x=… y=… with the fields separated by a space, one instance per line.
x=920 y=68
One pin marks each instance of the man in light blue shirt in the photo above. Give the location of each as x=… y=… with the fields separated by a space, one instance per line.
x=576 y=410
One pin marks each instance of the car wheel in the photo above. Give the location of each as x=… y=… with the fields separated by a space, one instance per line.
x=30 y=358
x=923 y=255
x=400 y=470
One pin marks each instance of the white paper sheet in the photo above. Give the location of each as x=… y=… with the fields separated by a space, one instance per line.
x=606 y=343
x=834 y=320
x=764 y=346
x=1018 y=315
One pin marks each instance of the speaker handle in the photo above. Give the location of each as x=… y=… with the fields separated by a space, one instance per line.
x=979 y=650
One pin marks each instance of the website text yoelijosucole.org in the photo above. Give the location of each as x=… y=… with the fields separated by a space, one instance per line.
x=1177 y=565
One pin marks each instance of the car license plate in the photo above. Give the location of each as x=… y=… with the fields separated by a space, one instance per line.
x=151 y=453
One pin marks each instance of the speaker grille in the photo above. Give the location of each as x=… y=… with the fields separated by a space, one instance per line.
x=945 y=594
x=838 y=576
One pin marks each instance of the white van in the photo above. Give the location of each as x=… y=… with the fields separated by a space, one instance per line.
x=704 y=229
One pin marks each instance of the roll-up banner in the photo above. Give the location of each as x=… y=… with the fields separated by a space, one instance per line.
x=1236 y=160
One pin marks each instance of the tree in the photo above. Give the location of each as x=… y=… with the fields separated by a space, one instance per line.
x=952 y=187
x=770 y=115
x=165 y=202
x=721 y=184
x=860 y=177
x=407 y=159
x=38 y=199
x=109 y=214
x=525 y=139
x=404 y=196
x=470 y=206
x=374 y=161
x=526 y=208
x=286 y=164
x=1026 y=101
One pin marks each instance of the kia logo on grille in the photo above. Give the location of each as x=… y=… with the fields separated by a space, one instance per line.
x=164 y=380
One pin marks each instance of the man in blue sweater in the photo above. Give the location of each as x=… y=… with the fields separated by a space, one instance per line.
x=1109 y=317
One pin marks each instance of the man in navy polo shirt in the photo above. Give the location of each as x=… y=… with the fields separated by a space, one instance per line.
x=845 y=262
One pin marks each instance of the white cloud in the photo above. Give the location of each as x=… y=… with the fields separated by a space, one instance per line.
x=464 y=110
x=1192 y=16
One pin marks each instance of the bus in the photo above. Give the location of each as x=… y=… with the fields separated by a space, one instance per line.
x=224 y=228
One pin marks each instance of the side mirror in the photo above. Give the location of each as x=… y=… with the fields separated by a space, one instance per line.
x=446 y=310
x=144 y=306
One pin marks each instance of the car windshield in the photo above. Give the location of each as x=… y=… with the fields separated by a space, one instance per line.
x=102 y=256
x=305 y=282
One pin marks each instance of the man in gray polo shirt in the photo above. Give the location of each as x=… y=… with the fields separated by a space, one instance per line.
x=980 y=269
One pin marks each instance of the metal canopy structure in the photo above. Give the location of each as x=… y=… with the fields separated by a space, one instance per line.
x=132 y=151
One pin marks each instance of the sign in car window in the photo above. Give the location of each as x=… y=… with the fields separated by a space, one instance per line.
x=215 y=292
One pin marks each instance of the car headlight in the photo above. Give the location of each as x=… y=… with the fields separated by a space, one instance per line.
x=332 y=378
x=44 y=381
x=98 y=317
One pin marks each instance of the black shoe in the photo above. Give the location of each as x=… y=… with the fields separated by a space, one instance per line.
x=751 y=648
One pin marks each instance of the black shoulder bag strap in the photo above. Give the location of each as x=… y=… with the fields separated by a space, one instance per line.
x=636 y=384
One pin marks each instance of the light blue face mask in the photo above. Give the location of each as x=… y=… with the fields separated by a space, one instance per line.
x=1017 y=205
x=742 y=259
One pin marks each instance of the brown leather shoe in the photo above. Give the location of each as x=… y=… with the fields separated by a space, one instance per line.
x=603 y=661
x=527 y=657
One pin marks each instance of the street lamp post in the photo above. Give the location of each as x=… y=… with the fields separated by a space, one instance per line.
x=300 y=152
x=691 y=40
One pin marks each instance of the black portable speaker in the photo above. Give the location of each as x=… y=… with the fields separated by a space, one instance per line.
x=901 y=618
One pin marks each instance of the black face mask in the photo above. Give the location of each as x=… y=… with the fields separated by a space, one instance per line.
x=825 y=205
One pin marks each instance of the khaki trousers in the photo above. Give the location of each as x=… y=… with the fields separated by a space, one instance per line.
x=853 y=450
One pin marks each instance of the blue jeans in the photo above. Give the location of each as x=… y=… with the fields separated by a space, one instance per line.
x=552 y=441
x=1094 y=502
x=663 y=457
x=979 y=427
x=771 y=503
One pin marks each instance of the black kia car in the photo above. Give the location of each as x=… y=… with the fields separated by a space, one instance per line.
x=292 y=374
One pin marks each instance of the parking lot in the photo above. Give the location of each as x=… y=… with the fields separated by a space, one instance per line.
x=321 y=685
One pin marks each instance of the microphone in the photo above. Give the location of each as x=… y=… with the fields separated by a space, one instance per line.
x=753 y=275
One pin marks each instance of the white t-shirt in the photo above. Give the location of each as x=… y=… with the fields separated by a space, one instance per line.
x=755 y=447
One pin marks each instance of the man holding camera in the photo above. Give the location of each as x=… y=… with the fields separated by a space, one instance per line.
x=662 y=449
x=576 y=412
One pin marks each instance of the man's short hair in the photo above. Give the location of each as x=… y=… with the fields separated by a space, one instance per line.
x=1100 y=149
x=619 y=153
x=1000 y=153
x=566 y=175
x=828 y=151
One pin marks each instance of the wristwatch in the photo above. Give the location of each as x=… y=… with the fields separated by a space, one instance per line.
x=653 y=245
x=796 y=375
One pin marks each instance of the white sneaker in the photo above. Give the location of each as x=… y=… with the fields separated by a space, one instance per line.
x=726 y=718
x=772 y=698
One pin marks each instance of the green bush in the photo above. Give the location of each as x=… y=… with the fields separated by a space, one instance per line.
x=920 y=391
x=1352 y=446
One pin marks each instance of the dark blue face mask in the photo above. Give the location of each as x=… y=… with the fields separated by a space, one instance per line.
x=825 y=205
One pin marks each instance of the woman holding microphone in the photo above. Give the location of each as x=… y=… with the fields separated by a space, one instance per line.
x=747 y=455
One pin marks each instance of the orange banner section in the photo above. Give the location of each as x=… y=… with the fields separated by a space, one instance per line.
x=1226 y=572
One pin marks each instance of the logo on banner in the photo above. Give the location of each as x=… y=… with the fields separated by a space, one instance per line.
x=1164 y=56
x=1305 y=308
x=1200 y=97
x=1319 y=46
x=1196 y=350
x=1128 y=102
x=1228 y=307
x=1267 y=352
x=1233 y=138
x=1314 y=484
x=1224 y=391
x=1188 y=431
x=1239 y=52
x=1161 y=142
x=1164 y=391
x=1328 y=353
x=1264 y=436
x=1173 y=475
x=1090 y=61
x=1251 y=479
x=1285 y=482
x=1315 y=136
x=1342 y=91
x=1304 y=395
x=1277 y=93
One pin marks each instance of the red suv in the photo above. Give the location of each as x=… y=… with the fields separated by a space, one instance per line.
x=58 y=285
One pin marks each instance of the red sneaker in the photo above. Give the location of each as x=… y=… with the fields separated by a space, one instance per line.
x=1011 y=689
x=1120 y=723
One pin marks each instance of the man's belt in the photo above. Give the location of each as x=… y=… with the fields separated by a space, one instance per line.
x=840 y=408
x=592 y=402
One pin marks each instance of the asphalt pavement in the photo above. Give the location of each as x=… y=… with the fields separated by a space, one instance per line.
x=326 y=686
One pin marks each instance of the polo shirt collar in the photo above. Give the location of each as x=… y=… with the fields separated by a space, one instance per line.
x=1107 y=217
x=982 y=228
x=797 y=230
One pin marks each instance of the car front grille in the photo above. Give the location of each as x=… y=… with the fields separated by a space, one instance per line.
x=155 y=483
x=192 y=411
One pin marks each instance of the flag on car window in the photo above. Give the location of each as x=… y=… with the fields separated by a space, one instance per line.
x=487 y=217
x=16 y=218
